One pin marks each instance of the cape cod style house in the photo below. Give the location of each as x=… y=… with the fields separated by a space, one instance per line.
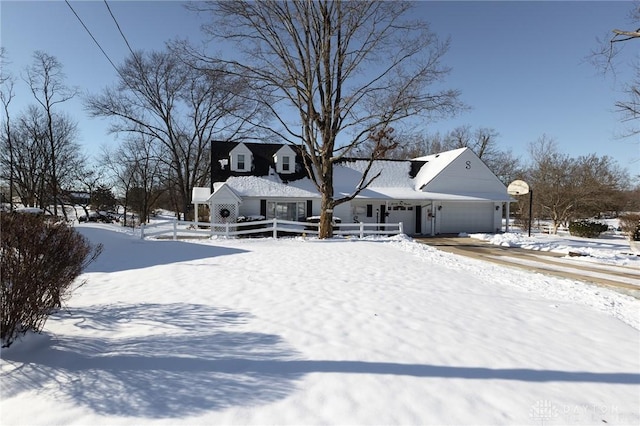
x=450 y=192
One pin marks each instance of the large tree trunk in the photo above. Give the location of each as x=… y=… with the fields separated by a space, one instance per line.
x=327 y=204
x=312 y=56
x=326 y=218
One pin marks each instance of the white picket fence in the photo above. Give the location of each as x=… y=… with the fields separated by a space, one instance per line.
x=179 y=228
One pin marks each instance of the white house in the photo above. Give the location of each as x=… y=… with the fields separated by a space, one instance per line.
x=450 y=192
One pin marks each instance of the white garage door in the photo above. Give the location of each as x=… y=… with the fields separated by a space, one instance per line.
x=466 y=217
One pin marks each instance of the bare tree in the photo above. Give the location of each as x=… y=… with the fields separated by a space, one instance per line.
x=611 y=46
x=27 y=160
x=551 y=179
x=178 y=105
x=6 y=95
x=46 y=81
x=413 y=145
x=604 y=58
x=120 y=175
x=138 y=171
x=144 y=158
x=599 y=186
x=629 y=109
x=334 y=74
x=568 y=188
x=87 y=179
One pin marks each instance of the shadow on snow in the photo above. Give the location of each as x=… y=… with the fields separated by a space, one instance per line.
x=122 y=251
x=167 y=370
x=188 y=362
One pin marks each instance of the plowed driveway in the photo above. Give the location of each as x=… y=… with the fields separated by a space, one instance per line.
x=624 y=279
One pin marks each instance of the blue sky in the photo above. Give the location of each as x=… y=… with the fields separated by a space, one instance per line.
x=520 y=66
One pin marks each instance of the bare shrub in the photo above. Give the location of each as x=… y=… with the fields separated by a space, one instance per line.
x=39 y=262
x=630 y=225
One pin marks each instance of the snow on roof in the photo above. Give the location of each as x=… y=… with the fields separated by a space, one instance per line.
x=265 y=186
x=200 y=194
x=394 y=181
x=393 y=174
x=436 y=163
x=467 y=196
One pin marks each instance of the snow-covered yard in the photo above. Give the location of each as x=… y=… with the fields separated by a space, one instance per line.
x=304 y=331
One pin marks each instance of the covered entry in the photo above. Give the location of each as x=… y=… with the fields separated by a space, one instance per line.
x=225 y=205
x=401 y=211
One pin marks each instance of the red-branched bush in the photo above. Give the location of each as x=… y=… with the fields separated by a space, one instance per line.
x=39 y=263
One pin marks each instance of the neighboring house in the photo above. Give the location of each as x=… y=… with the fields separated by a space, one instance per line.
x=450 y=192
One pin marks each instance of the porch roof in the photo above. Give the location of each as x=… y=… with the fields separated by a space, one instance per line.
x=412 y=195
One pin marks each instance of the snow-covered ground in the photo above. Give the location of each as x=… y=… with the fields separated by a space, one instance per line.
x=304 y=331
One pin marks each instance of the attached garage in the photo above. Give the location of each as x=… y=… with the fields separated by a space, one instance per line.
x=466 y=217
x=445 y=193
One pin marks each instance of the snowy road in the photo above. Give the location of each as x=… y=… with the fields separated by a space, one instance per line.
x=625 y=279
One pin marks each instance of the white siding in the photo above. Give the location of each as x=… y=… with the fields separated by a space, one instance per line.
x=407 y=217
x=250 y=207
x=343 y=211
x=358 y=211
x=285 y=151
x=241 y=149
x=466 y=174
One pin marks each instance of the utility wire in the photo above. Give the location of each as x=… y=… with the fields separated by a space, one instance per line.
x=119 y=29
x=135 y=57
x=93 y=38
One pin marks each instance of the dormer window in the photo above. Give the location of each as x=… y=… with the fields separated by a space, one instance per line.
x=284 y=160
x=241 y=159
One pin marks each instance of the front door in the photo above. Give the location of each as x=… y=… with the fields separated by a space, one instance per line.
x=427 y=219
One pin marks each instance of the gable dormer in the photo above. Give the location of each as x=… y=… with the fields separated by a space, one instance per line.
x=241 y=158
x=285 y=160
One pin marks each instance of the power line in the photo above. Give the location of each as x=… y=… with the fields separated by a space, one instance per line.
x=135 y=57
x=103 y=51
x=93 y=38
x=119 y=29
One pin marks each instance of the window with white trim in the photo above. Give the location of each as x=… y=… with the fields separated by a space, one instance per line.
x=241 y=163
x=286 y=163
x=295 y=211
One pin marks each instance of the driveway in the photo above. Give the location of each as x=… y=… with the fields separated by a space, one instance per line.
x=623 y=279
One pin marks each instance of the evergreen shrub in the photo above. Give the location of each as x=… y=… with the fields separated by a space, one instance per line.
x=587 y=229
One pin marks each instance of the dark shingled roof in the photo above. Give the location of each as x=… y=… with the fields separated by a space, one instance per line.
x=262 y=161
